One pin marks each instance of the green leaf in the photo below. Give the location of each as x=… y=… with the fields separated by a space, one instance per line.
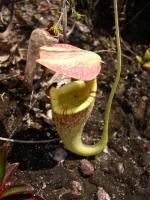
x=18 y=189
x=139 y=59
x=77 y=15
x=147 y=54
x=146 y=64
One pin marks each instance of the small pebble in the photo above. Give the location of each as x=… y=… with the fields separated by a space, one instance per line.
x=86 y=167
x=49 y=114
x=102 y=195
x=139 y=110
x=59 y=155
x=120 y=168
x=76 y=188
x=144 y=98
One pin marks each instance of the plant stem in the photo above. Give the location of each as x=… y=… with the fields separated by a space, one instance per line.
x=114 y=87
x=65 y=21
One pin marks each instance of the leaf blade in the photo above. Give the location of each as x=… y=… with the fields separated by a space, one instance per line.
x=70 y=61
x=147 y=54
x=3 y=159
x=18 y=189
x=11 y=169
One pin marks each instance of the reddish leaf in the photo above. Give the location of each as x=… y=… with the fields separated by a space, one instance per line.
x=18 y=197
x=70 y=61
x=3 y=158
x=23 y=189
x=23 y=197
x=11 y=169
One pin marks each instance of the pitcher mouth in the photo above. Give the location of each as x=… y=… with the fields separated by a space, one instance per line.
x=73 y=97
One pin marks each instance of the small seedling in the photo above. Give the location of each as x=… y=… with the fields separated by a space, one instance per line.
x=78 y=16
x=8 y=191
x=145 y=60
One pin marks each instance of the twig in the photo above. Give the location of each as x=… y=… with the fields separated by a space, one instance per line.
x=48 y=2
x=27 y=141
x=127 y=47
x=6 y=77
x=65 y=21
x=96 y=3
x=71 y=30
x=112 y=51
x=137 y=14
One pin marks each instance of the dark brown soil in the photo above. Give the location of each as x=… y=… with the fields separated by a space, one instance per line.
x=123 y=168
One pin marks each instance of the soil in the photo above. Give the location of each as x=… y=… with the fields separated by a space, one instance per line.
x=123 y=168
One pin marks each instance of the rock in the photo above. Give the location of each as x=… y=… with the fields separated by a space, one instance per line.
x=76 y=188
x=139 y=110
x=59 y=155
x=86 y=167
x=120 y=168
x=102 y=195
